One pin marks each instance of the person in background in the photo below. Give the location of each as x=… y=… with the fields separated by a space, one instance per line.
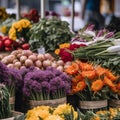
x=90 y=13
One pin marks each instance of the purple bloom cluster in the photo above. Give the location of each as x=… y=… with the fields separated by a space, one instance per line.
x=47 y=81
x=23 y=72
x=8 y=76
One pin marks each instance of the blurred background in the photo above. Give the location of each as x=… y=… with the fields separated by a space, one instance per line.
x=110 y=9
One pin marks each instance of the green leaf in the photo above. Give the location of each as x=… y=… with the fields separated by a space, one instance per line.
x=21 y=117
x=48 y=31
x=89 y=115
x=116 y=62
x=80 y=115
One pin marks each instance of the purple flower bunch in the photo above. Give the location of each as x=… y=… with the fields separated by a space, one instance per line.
x=23 y=72
x=46 y=84
x=9 y=77
x=89 y=35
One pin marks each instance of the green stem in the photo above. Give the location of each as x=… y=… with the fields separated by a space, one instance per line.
x=105 y=51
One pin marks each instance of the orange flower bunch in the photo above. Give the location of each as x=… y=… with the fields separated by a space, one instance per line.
x=92 y=79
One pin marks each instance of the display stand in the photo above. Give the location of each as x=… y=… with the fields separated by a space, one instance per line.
x=18 y=9
x=42 y=3
x=72 y=14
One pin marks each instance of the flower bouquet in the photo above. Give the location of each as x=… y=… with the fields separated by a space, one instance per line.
x=9 y=77
x=110 y=114
x=5 y=110
x=65 y=49
x=114 y=100
x=48 y=86
x=19 y=30
x=21 y=102
x=91 y=83
x=60 y=112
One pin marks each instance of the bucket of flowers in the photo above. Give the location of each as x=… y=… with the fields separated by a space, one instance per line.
x=19 y=30
x=60 y=112
x=9 y=76
x=92 y=83
x=5 y=110
x=114 y=100
x=46 y=87
x=109 y=114
x=64 y=51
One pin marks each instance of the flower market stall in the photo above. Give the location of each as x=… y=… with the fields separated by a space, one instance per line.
x=51 y=72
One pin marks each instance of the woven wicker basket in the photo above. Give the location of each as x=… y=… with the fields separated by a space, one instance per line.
x=53 y=103
x=93 y=105
x=14 y=114
x=114 y=103
x=12 y=102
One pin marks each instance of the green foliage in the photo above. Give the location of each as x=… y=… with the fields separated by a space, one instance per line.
x=49 y=33
x=21 y=117
x=4 y=102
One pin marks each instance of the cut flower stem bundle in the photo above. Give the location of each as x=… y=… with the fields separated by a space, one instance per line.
x=103 y=52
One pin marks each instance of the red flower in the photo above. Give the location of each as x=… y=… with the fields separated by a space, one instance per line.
x=33 y=15
x=65 y=55
x=74 y=46
x=33 y=12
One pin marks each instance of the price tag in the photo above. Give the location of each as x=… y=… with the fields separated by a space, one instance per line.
x=41 y=50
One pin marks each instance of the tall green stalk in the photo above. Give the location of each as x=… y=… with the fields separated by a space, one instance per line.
x=4 y=102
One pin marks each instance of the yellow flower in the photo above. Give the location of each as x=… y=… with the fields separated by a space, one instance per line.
x=63 y=109
x=25 y=23
x=17 y=26
x=54 y=117
x=44 y=108
x=13 y=37
x=12 y=31
x=75 y=115
x=113 y=112
x=57 y=51
x=12 y=34
x=95 y=118
x=102 y=112
x=118 y=109
x=40 y=111
x=64 y=45
x=4 y=29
